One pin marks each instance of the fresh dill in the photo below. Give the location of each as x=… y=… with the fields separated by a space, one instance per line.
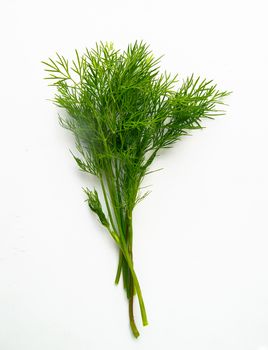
x=122 y=110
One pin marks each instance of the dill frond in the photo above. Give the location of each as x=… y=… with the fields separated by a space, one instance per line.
x=122 y=110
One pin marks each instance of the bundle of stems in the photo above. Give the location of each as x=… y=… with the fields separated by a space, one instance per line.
x=122 y=110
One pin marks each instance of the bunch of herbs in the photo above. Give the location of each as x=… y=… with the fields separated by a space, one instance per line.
x=122 y=111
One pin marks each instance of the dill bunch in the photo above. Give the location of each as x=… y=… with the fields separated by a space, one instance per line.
x=122 y=110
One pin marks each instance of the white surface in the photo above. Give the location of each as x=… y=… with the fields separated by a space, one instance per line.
x=201 y=237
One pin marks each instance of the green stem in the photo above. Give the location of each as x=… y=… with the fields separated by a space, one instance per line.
x=135 y=280
x=131 y=313
x=119 y=268
x=122 y=245
x=121 y=242
x=131 y=289
x=122 y=222
x=107 y=203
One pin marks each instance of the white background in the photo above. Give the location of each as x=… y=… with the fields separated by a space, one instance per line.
x=201 y=237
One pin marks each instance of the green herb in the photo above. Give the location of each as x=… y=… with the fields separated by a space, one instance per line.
x=122 y=110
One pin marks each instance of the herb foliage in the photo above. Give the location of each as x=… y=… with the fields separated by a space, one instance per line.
x=122 y=110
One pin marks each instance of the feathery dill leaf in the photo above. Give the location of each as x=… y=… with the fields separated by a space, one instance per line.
x=122 y=110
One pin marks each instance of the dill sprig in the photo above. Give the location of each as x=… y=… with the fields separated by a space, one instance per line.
x=122 y=110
